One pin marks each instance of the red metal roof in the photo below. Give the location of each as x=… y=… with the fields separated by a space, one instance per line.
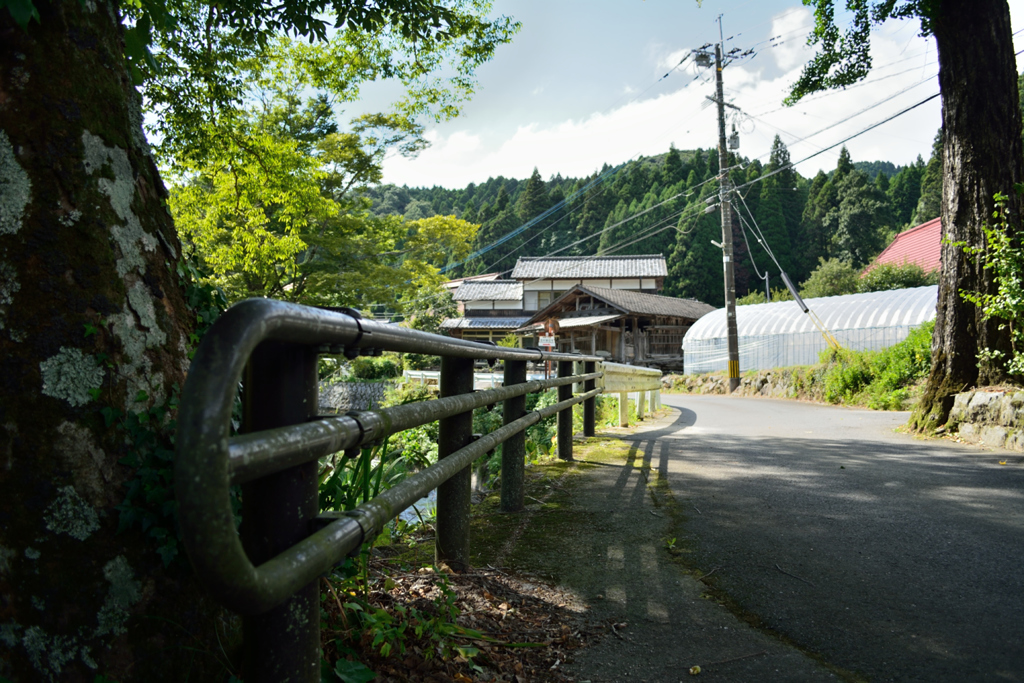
x=921 y=245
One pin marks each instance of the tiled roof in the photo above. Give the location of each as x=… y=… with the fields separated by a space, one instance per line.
x=452 y=285
x=487 y=323
x=630 y=303
x=576 y=267
x=650 y=304
x=494 y=290
x=921 y=245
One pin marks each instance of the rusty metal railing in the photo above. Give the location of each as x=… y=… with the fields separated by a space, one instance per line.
x=267 y=569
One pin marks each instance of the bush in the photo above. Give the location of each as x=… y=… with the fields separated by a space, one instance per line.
x=373 y=368
x=887 y=276
x=757 y=297
x=830 y=278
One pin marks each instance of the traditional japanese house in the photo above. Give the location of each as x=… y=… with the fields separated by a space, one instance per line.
x=625 y=326
x=493 y=308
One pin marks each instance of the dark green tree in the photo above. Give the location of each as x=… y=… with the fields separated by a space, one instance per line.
x=859 y=223
x=882 y=183
x=929 y=204
x=533 y=198
x=672 y=170
x=821 y=199
x=791 y=200
x=844 y=165
x=771 y=219
x=831 y=278
x=700 y=165
x=598 y=203
x=695 y=265
x=904 y=192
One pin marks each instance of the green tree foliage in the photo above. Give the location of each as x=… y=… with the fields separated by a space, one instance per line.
x=877 y=168
x=267 y=182
x=673 y=171
x=1005 y=258
x=270 y=211
x=831 y=278
x=757 y=296
x=859 y=224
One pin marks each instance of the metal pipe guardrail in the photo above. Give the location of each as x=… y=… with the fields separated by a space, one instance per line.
x=267 y=569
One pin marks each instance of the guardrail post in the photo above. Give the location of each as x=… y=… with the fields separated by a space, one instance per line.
x=640 y=403
x=657 y=399
x=565 y=416
x=590 y=405
x=513 y=451
x=623 y=409
x=281 y=389
x=451 y=544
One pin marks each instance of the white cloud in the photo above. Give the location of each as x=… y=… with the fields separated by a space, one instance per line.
x=788 y=40
x=579 y=146
x=672 y=59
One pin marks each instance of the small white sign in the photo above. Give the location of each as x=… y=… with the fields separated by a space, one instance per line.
x=546 y=341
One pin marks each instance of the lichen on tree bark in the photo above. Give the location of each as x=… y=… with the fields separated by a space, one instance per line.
x=91 y=314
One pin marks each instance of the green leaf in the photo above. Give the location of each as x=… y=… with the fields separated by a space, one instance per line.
x=353 y=672
x=22 y=11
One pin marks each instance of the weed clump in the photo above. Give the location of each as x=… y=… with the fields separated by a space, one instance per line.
x=881 y=380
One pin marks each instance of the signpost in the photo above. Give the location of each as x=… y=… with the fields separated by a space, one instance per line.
x=547 y=342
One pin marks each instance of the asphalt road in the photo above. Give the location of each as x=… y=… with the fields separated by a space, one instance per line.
x=893 y=557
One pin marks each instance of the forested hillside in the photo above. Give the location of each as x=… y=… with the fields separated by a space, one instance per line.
x=657 y=205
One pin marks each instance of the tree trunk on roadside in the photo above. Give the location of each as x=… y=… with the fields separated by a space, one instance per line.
x=93 y=331
x=982 y=155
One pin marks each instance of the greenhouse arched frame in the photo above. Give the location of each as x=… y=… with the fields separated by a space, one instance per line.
x=780 y=334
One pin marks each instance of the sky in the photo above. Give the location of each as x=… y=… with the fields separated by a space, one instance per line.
x=583 y=84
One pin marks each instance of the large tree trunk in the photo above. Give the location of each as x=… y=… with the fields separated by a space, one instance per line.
x=92 y=315
x=982 y=155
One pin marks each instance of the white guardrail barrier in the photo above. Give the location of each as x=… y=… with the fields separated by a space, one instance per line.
x=630 y=382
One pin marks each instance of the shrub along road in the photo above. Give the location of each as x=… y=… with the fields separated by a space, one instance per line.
x=882 y=556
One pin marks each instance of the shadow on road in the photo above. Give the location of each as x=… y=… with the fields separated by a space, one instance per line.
x=899 y=559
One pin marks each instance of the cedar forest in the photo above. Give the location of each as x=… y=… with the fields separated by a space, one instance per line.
x=844 y=217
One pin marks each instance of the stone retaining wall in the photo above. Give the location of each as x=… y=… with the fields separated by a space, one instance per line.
x=778 y=383
x=990 y=417
x=342 y=397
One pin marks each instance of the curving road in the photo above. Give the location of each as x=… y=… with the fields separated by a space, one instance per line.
x=892 y=557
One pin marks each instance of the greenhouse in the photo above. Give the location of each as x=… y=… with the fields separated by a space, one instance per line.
x=780 y=334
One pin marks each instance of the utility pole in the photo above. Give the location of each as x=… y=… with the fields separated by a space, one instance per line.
x=724 y=192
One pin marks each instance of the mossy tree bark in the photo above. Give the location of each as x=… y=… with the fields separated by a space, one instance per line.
x=92 y=317
x=982 y=154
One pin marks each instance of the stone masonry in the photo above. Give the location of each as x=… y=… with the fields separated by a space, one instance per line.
x=990 y=417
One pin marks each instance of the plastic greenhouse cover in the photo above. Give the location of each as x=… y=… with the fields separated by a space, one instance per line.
x=894 y=308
